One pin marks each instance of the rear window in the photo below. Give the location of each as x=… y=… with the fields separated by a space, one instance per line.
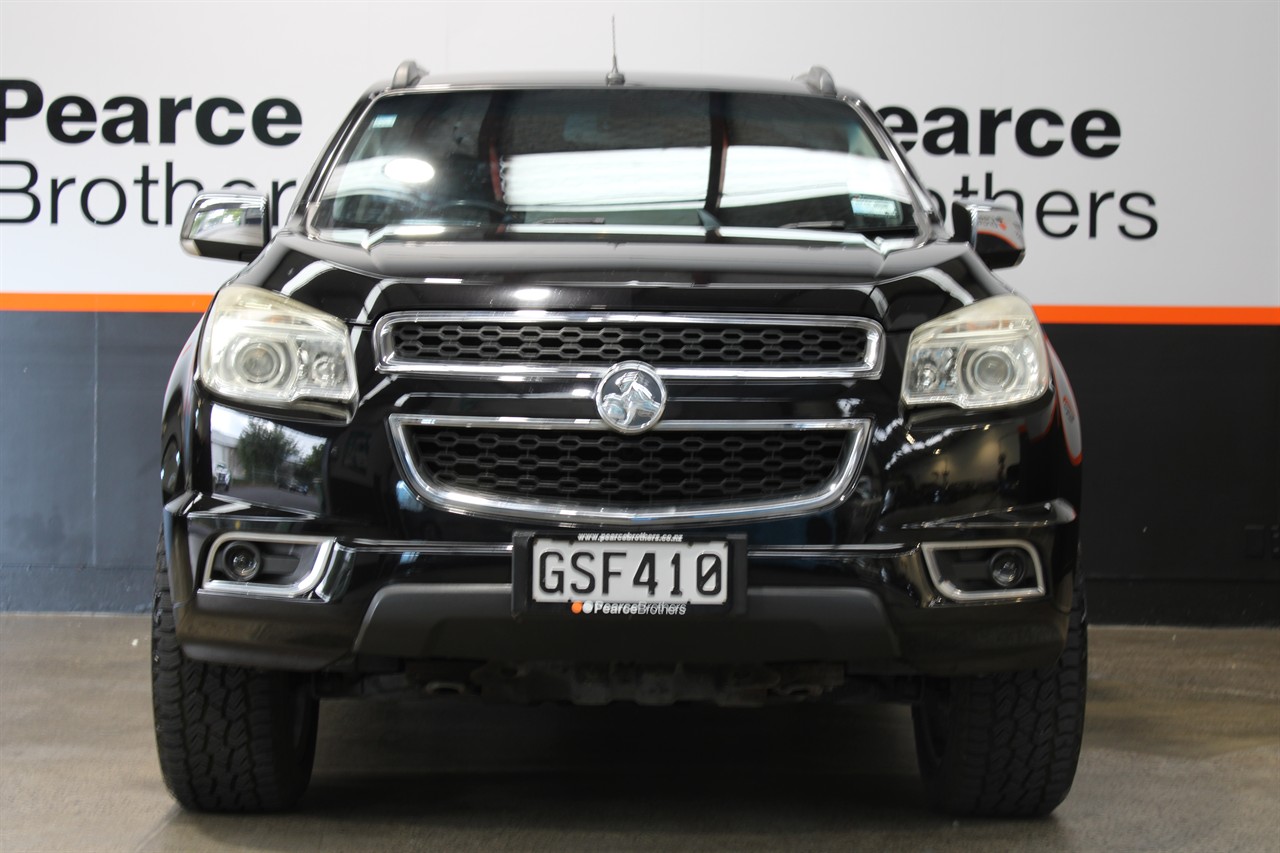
x=616 y=164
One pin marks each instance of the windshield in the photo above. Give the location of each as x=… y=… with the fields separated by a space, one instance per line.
x=616 y=164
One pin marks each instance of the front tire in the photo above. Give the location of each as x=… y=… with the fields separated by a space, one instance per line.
x=1006 y=745
x=230 y=738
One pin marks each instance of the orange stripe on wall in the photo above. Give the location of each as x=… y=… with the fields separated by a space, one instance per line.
x=1158 y=315
x=1144 y=315
x=172 y=303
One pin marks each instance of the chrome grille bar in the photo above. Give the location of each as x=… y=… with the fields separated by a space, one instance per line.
x=584 y=345
x=565 y=511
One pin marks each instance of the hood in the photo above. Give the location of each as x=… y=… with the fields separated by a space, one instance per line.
x=358 y=285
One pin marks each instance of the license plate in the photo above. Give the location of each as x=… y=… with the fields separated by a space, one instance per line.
x=626 y=574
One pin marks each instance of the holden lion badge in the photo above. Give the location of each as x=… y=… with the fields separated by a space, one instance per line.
x=630 y=398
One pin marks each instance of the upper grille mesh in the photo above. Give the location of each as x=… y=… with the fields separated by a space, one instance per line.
x=605 y=343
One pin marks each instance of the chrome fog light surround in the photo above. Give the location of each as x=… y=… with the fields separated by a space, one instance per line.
x=321 y=562
x=995 y=548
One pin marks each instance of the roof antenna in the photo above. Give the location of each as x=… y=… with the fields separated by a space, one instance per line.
x=614 y=77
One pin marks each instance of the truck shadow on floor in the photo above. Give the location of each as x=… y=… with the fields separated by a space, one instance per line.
x=452 y=774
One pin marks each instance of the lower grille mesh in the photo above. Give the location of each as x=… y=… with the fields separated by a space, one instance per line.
x=610 y=470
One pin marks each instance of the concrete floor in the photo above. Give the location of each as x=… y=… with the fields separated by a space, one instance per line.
x=1182 y=752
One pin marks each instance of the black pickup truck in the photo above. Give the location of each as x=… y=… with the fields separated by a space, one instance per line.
x=593 y=389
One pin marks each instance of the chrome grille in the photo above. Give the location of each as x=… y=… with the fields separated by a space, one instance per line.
x=675 y=345
x=628 y=470
x=564 y=470
x=656 y=345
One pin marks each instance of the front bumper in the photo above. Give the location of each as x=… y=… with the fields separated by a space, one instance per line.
x=874 y=608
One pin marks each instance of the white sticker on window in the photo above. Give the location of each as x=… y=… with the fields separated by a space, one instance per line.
x=863 y=206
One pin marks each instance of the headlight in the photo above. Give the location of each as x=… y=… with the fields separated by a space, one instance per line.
x=261 y=347
x=990 y=353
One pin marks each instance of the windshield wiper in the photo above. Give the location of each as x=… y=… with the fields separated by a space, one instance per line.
x=570 y=220
x=818 y=224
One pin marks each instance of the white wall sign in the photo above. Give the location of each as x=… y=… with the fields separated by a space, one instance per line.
x=1140 y=140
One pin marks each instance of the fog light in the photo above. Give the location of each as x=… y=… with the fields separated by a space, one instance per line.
x=242 y=561
x=1008 y=567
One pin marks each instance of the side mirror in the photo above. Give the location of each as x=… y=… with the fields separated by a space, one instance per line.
x=230 y=226
x=994 y=232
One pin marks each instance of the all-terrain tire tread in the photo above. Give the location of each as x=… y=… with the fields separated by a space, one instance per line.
x=1013 y=742
x=218 y=728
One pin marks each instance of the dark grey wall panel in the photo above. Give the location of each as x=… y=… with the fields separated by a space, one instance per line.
x=137 y=354
x=48 y=366
x=1181 y=455
x=88 y=589
x=80 y=402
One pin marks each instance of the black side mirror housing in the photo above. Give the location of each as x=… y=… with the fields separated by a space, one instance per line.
x=994 y=232
x=230 y=226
